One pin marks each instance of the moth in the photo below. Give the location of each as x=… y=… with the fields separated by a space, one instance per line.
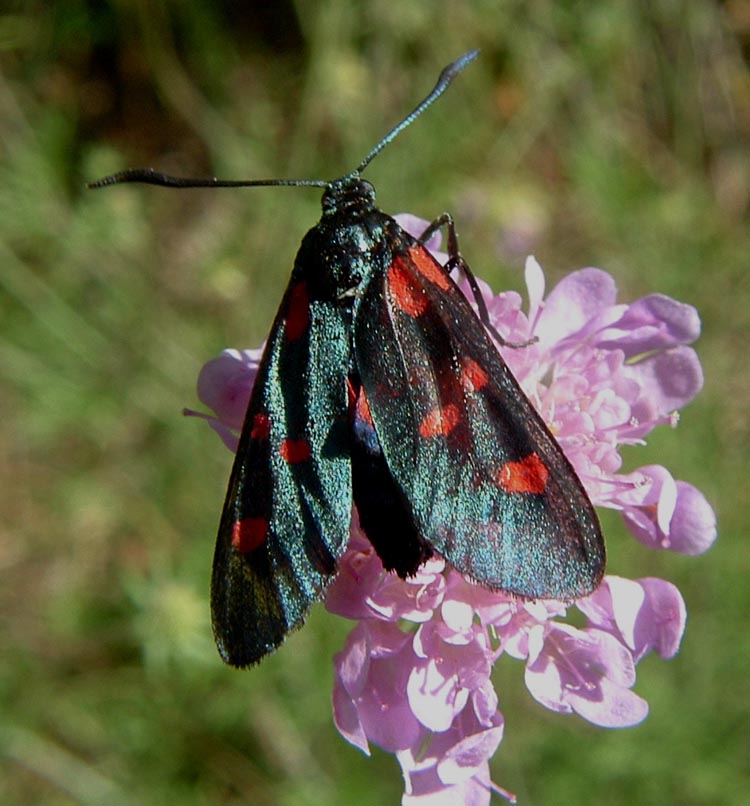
x=381 y=386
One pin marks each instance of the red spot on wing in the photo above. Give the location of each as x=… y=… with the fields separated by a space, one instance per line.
x=473 y=377
x=428 y=267
x=407 y=294
x=359 y=405
x=295 y=451
x=527 y=476
x=249 y=534
x=409 y=299
x=440 y=421
x=363 y=409
x=298 y=312
x=261 y=427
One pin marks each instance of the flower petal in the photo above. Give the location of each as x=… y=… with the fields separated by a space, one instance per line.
x=588 y=672
x=225 y=383
x=668 y=381
x=656 y=322
x=666 y=514
x=573 y=302
x=644 y=614
x=466 y=757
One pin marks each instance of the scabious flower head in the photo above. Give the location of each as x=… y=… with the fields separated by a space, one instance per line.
x=414 y=674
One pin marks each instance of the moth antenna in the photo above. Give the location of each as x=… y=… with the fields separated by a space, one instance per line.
x=443 y=82
x=149 y=176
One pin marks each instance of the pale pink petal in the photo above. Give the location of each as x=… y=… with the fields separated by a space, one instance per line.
x=667 y=514
x=534 y=277
x=468 y=756
x=435 y=698
x=655 y=323
x=225 y=383
x=661 y=622
x=617 y=707
x=693 y=526
x=668 y=380
x=573 y=302
x=588 y=672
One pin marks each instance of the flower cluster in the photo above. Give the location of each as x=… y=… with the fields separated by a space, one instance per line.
x=414 y=674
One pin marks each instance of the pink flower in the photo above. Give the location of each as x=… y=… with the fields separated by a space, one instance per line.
x=414 y=675
x=588 y=672
x=224 y=385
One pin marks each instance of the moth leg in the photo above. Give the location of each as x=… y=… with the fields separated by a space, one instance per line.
x=456 y=261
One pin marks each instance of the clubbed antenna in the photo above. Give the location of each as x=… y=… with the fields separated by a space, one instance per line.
x=149 y=176
x=444 y=80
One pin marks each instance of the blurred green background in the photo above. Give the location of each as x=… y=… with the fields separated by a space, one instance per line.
x=612 y=134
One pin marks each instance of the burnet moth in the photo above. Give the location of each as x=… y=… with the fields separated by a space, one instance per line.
x=380 y=385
